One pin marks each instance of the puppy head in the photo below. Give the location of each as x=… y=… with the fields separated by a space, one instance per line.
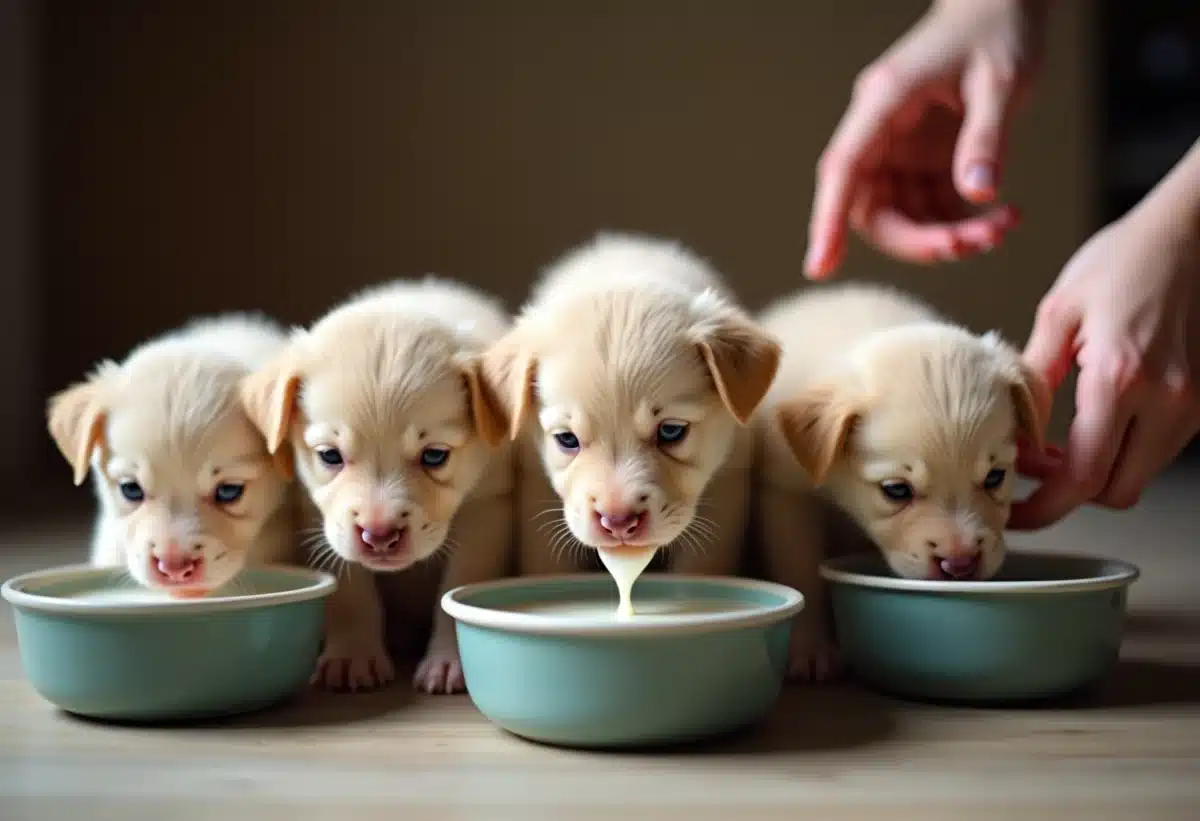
x=389 y=424
x=179 y=469
x=635 y=393
x=916 y=439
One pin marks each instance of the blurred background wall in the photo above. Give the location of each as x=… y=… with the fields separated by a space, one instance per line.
x=198 y=156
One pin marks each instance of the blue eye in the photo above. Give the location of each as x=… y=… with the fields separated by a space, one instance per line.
x=331 y=457
x=228 y=492
x=434 y=457
x=132 y=491
x=897 y=491
x=567 y=440
x=994 y=479
x=672 y=433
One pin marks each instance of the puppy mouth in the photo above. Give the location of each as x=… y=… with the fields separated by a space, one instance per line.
x=957 y=569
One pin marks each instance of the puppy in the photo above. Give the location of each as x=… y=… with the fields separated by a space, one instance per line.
x=626 y=379
x=907 y=423
x=391 y=427
x=187 y=493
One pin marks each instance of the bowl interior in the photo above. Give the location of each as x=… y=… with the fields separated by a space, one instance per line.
x=1022 y=571
x=664 y=602
x=110 y=590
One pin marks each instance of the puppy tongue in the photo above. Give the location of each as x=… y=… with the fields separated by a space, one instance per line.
x=959 y=567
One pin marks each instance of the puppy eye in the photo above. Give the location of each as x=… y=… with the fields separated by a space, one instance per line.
x=672 y=433
x=228 y=492
x=567 y=440
x=994 y=479
x=897 y=490
x=435 y=457
x=132 y=492
x=331 y=457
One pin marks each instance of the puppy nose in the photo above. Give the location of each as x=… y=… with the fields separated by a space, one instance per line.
x=177 y=566
x=381 y=538
x=619 y=523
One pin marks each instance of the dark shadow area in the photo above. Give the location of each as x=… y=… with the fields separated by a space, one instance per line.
x=1163 y=624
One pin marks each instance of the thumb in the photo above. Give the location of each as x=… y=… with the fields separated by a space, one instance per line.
x=1051 y=347
x=982 y=140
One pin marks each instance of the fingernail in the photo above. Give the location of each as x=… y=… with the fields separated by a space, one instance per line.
x=816 y=254
x=979 y=178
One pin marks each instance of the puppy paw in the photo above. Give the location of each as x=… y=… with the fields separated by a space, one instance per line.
x=353 y=667
x=440 y=672
x=813 y=656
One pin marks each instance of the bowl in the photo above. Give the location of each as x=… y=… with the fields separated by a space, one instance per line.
x=705 y=656
x=148 y=658
x=1048 y=625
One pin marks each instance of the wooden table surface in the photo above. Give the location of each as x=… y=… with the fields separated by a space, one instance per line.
x=828 y=753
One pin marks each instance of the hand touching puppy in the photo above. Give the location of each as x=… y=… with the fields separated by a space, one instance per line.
x=392 y=430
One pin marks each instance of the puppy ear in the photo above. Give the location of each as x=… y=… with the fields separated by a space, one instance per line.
x=75 y=418
x=507 y=369
x=816 y=425
x=269 y=398
x=742 y=360
x=487 y=409
x=1032 y=400
x=1031 y=395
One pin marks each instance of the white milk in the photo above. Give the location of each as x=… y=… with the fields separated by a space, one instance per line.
x=601 y=612
x=124 y=595
x=625 y=565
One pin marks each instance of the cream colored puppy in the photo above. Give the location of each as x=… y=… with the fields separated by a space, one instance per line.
x=907 y=423
x=627 y=377
x=188 y=494
x=392 y=429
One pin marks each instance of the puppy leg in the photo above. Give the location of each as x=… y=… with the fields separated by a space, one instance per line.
x=793 y=543
x=482 y=542
x=713 y=545
x=354 y=657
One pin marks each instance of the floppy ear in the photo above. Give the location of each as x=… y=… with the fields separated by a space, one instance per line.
x=269 y=398
x=487 y=410
x=742 y=360
x=507 y=370
x=816 y=425
x=75 y=418
x=1032 y=400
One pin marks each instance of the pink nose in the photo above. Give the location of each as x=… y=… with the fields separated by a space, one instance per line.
x=619 y=524
x=178 y=567
x=381 y=539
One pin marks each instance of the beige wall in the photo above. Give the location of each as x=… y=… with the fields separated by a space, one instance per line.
x=201 y=156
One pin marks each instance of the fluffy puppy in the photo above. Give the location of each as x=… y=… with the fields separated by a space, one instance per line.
x=627 y=377
x=391 y=428
x=907 y=423
x=188 y=494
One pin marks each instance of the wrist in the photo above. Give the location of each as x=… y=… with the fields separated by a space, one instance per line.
x=1175 y=201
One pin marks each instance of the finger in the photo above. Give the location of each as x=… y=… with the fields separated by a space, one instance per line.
x=987 y=92
x=1051 y=346
x=1097 y=432
x=1040 y=466
x=897 y=234
x=842 y=165
x=1156 y=438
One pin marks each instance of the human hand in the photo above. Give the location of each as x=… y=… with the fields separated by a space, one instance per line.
x=1125 y=310
x=920 y=148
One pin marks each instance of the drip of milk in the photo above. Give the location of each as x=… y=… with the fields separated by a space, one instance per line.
x=625 y=564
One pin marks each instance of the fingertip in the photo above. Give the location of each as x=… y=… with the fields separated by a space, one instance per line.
x=977 y=184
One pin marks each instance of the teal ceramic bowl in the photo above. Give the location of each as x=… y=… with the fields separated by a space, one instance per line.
x=148 y=659
x=1047 y=626
x=704 y=657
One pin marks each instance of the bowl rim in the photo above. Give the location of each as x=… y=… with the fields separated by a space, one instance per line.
x=320 y=584
x=1121 y=574
x=674 y=625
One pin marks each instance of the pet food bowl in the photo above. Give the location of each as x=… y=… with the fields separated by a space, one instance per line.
x=682 y=674
x=1048 y=625
x=150 y=659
